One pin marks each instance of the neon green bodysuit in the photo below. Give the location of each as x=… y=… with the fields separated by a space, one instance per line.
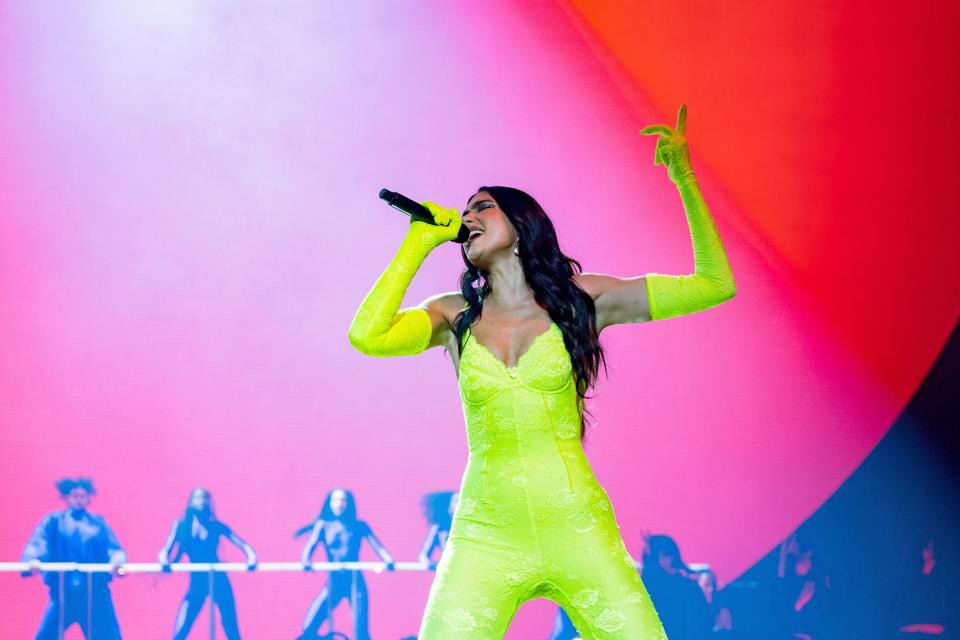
x=532 y=520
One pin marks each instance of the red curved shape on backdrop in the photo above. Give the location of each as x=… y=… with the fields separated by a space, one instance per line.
x=830 y=125
x=188 y=220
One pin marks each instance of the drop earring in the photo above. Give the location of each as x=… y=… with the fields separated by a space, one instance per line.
x=516 y=247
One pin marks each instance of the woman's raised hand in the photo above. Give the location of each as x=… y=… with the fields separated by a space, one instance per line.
x=672 y=149
x=432 y=235
x=712 y=280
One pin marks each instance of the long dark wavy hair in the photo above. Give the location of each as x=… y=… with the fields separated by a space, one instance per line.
x=349 y=512
x=549 y=274
x=185 y=524
x=436 y=508
x=661 y=544
x=349 y=515
x=185 y=528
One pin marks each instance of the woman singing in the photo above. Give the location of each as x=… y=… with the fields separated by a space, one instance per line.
x=523 y=334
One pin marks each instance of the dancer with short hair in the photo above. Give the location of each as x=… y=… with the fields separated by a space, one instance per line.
x=74 y=534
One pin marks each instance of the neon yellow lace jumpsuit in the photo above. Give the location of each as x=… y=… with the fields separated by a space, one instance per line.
x=532 y=520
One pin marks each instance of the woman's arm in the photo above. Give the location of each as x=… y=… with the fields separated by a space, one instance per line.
x=379 y=548
x=380 y=327
x=443 y=310
x=242 y=545
x=164 y=556
x=307 y=556
x=656 y=296
x=38 y=546
x=428 y=544
x=116 y=553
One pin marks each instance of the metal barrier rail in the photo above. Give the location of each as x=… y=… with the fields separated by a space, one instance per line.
x=229 y=567
x=210 y=568
x=193 y=567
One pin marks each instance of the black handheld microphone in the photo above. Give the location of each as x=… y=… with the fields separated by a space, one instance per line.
x=417 y=211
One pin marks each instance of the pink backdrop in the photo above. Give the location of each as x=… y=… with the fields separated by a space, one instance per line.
x=188 y=219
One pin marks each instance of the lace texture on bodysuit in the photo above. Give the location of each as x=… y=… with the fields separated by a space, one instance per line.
x=532 y=521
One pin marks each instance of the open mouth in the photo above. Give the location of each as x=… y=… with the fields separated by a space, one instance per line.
x=474 y=234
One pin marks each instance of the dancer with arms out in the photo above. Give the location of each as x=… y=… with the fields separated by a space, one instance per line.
x=341 y=534
x=198 y=535
x=523 y=334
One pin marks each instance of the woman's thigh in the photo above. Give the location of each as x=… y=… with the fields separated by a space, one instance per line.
x=476 y=591
x=597 y=584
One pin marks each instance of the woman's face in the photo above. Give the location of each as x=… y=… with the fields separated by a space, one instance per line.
x=338 y=502
x=492 y=233
x=199 y=499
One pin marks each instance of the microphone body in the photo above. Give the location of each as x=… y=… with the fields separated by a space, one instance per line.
x=416 y=211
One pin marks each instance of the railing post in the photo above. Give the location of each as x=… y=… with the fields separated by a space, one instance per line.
x=60 y=613
x=353 y=604
x=89 y=605
x=210 y=601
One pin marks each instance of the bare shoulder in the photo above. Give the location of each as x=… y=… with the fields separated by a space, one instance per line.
x=448 y=305
x=618 y=300
x=443 y=309
x=595 y=284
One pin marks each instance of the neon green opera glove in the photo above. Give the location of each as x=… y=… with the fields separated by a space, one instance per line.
x=380 y=327
x=712 y=280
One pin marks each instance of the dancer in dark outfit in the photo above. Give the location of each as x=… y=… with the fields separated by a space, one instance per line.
x=341 y=533
x=675 y=593
x=76 y=535
x=198 y=535
x=438 y=508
